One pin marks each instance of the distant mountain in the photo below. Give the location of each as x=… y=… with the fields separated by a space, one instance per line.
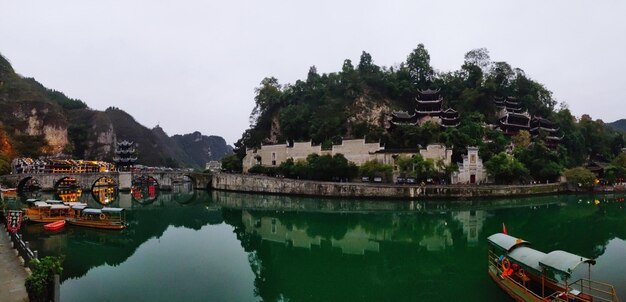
x=619 y=125
x=201 y=148
x=37 y=121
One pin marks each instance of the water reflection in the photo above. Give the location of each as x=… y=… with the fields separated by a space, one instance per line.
x=311 y=249
x=104 y=190
x=145 y=189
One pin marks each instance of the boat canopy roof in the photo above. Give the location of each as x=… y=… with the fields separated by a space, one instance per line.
x=58 y=207
x=559 y=261
x=564 y=262
x=53 y=201
x=41 y=204
x=112 y=210
x=92 y=211
x=506 y=242
x=527 y=256
x=79 y=206
x=32 y=200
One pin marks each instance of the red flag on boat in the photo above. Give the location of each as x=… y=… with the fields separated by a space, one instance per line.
x=504 y=229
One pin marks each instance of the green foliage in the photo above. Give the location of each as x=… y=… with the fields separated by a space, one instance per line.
x=39 y=284
x=418 y=167
x=505 y=169
x=232 y=163
x=580 y=177
x=316 y=167
x=373 y=168
x=543 y=163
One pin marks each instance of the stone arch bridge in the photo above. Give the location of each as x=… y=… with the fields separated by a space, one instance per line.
x=50 y=181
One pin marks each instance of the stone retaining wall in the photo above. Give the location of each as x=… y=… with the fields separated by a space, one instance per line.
x=263 y=184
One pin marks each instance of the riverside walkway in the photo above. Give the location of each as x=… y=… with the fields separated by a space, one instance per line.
x=12 y=272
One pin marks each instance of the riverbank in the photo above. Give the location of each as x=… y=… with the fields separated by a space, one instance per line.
x=13 y=274
x=272 y=185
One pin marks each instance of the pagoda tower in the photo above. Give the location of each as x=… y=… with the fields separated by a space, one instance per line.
x=125 y=155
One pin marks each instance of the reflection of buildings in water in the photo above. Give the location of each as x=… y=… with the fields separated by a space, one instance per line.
x=70 y=194
x=472 y=222
x=144 y=193
x=104 y=195
x=271 y=229
x=440 y=240
x=355 y=242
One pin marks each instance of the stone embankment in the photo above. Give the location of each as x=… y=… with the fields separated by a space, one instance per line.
x=263 y=184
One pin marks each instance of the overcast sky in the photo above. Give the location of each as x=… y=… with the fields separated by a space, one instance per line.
x=193 y=65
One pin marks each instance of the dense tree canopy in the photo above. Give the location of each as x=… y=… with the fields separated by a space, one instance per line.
x=355 y=102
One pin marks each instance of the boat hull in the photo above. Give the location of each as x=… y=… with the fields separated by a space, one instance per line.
x=516 y=292
x=97 y=224
x=55 y=226
x=40 y=219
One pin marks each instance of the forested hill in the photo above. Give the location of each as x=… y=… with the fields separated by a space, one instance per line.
x=37 y=121
x=356 y=101
x=619 y=125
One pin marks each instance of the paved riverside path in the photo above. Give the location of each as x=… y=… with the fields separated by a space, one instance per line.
x=12 y=273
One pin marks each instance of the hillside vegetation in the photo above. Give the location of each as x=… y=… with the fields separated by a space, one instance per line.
x=37 y=121
x=355 y=101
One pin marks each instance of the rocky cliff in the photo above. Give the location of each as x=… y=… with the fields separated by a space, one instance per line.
x=37 y=121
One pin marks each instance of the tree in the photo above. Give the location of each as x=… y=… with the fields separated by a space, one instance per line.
x=232 y=163
x=478 y=57
x=580 y=177
x=418 y=64
x=505 y=169
x=522 y=139
x=373 y=168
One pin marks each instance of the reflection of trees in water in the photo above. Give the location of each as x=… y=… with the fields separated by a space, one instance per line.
x=386 y=254
x=86 y=248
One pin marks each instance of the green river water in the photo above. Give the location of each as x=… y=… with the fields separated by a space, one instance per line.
x=221 y=246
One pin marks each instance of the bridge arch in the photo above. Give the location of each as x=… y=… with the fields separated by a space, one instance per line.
x=28 y=182
x=66 y=181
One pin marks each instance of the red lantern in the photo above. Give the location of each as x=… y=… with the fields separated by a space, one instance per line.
x=14 y=220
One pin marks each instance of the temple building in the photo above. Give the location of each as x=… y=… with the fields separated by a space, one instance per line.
x=539 y=126
x=124 y=155
x=511 y=123
x=508 y=104
x=428 y=108
x=428 y=104
x=471 y=170
x=450 y=118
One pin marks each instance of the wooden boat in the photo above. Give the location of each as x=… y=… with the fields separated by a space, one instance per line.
x=530 y=275
x=54 y=226
x=8 y=192
x=105 y=218
x=42 y=211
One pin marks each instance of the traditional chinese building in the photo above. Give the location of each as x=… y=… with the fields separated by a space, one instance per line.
x=450 y=118
x=512 y=123
x=471 y=170
x=542 y=126
x=508 y=104
x=428 y=108
x=125 y=155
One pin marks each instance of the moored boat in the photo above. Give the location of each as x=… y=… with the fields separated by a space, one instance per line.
x=527 y=274
x=54 y=226
x=42 y=211
x=105 y=218
x=8 y=192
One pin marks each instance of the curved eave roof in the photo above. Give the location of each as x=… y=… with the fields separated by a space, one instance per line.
x=506 y=242
x=564 y=262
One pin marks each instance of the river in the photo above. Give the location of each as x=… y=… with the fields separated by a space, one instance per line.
x=221 y=246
